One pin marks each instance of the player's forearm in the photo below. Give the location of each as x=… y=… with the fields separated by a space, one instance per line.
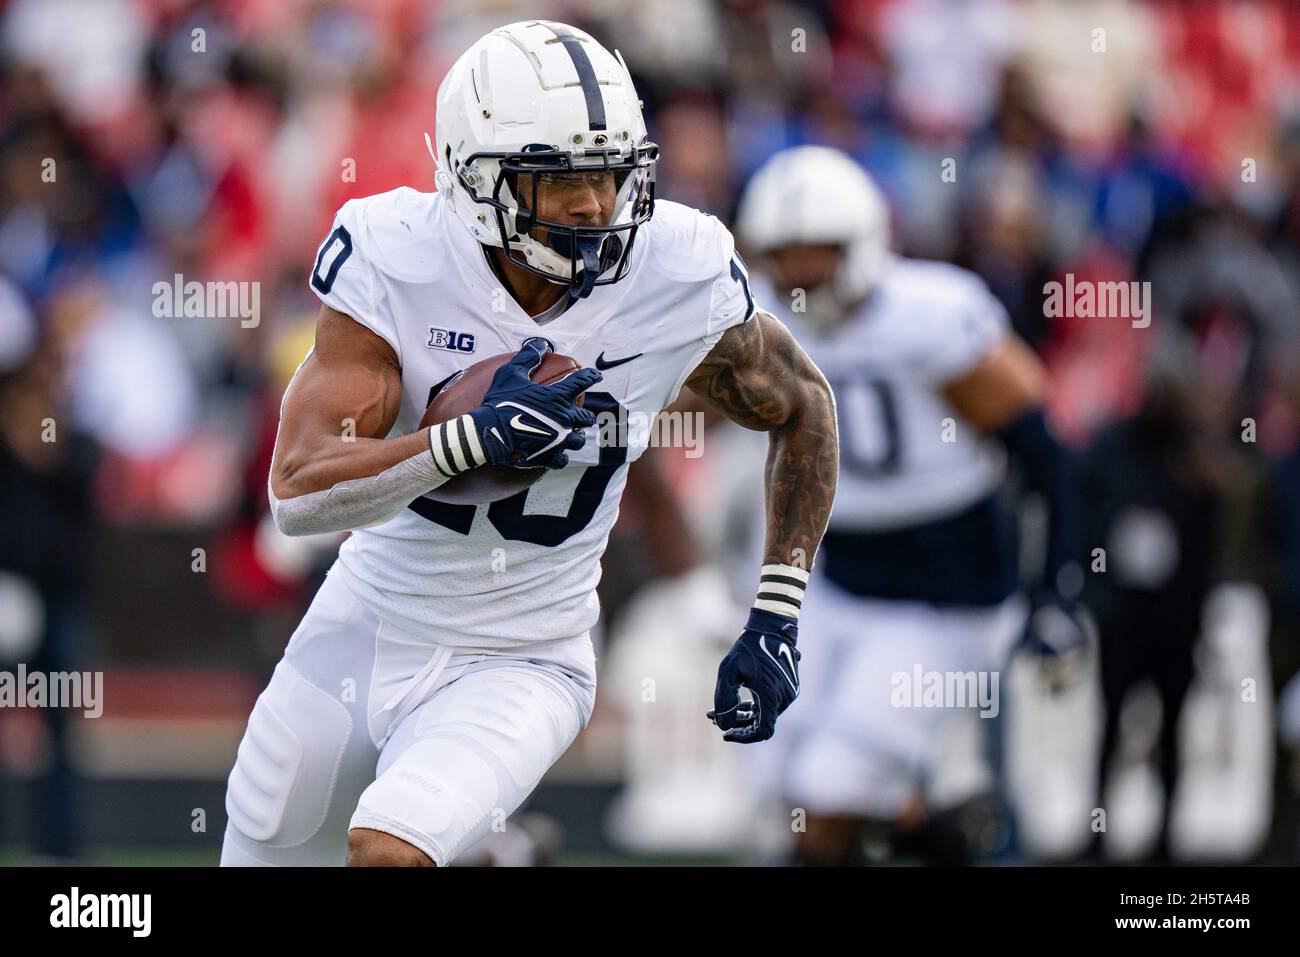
x=1048 y=469
x=758 y=377
x=802 y=466
x=322 y=461
x=371 y=480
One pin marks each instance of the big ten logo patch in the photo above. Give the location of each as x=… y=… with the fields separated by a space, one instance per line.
x=451 y=340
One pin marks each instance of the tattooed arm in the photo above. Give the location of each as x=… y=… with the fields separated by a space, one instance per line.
x=759 y=377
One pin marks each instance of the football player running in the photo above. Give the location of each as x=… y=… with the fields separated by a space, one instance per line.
x=919 y=565
x=445 y=663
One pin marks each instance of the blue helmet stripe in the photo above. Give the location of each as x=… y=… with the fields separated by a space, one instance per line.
x=586 y=76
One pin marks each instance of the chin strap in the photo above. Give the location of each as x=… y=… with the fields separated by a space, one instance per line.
x=585 y=282
x=596 y=254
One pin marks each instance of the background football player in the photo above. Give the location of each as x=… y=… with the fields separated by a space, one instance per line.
x=445 y=664
x=920 y=564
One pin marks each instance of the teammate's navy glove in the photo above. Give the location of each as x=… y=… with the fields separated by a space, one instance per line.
x=1057 y=632
x=764 y=660
x=527 y=425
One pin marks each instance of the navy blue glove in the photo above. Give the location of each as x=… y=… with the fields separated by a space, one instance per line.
x=764 y=660
x=1058 y=633
x=527 y=425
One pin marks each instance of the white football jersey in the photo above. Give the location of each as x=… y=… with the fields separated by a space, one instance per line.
x=905 y=456
x=522 y=570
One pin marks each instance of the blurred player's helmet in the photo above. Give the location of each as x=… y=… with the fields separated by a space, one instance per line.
x=818 y=196
x=531 y=101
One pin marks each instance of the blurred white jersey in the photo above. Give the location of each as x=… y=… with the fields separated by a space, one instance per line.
x=906 y=458
x=522 y=570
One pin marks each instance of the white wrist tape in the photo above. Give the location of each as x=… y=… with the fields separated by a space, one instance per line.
x=780 y=589
x=456 y=446
x=374 y=499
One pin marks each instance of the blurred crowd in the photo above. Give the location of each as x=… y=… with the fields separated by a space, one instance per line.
x=1023 y=139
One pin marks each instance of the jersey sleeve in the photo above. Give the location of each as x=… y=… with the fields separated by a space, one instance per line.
x=730 y=300
x=343 y=277
x=969 y=327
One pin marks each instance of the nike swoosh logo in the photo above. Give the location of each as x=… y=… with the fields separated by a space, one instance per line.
x=517 y=424
x=782 y=649
x=785 y=650
x=602 y=364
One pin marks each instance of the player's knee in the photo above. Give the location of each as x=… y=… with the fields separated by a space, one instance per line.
x=367 y=848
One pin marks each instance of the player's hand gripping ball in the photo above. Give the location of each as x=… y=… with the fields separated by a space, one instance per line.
x=527 y=410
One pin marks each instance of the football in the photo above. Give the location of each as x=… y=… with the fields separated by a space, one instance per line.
x=464 y=393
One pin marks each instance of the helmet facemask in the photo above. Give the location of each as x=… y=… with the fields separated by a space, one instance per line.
x=580 y=257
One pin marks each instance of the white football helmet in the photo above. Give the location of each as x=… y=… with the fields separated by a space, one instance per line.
x=539 y=97
x=815 y=195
